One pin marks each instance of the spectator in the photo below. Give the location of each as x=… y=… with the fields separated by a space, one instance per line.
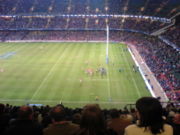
x=176 y=123
x=4 y=118
x=59 y=124
x=76 y=118
x=24 y=124
x=118 y=122
x=92 y=122
x=150 y=119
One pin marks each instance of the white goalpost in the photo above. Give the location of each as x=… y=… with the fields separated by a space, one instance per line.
x=107 y=44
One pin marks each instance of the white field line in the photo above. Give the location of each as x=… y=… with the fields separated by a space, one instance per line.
x=44 y=80
x=127 y=63
x=66 y=101
x=163 y=95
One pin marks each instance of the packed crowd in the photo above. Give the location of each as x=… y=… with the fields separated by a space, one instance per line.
x=64 y=35
x=91 y=120
x=173 y=35
x=163 y=60
x=166 y=8
x=79 y=23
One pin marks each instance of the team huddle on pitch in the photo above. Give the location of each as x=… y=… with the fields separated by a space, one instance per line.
x=102 y=71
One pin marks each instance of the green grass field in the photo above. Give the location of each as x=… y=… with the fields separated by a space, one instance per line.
x=50 y=73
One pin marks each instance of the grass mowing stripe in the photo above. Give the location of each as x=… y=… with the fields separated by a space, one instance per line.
x=6 y=47
x=115 y=59
x=69 y=71
x=32 y=52
x=43 y=64
x=45 y=79
x=10 y=73
x=132 y=77
x=139 y=79
x=65 y=86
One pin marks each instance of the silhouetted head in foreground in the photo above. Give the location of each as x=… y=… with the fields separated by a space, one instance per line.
x=92 y=120
x=150 y=114
x=25 y=112
x=57 y=113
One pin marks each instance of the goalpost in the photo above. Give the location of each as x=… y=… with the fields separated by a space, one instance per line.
x=107 y=44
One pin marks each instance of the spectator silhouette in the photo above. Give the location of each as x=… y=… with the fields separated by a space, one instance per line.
x=92 y=121
x=118 y=122
x=24 y=124
x=149 y=111
x=59 y=124
x=4 y=118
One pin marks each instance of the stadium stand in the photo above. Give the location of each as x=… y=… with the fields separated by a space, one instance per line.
x=173 y=35
x=86 y=20
x=79 y=23
x=63 y=20
x=159 y=8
